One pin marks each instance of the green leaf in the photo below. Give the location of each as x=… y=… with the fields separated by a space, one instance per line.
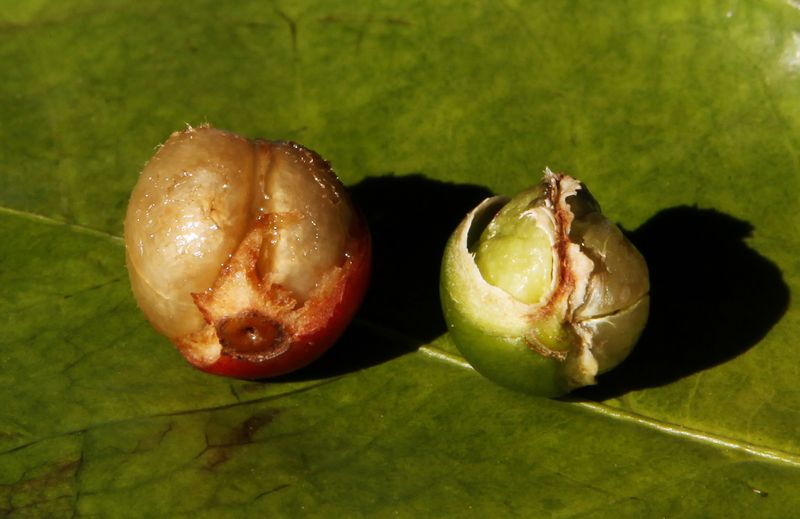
x=682 y=118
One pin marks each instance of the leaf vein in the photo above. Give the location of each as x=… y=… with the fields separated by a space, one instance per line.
x=83 y=229
x=760 y=451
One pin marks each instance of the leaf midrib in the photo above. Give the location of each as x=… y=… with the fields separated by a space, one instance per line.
x=614 y=413
x=47 y=220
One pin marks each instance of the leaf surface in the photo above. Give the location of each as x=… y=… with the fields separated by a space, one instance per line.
x=683 y=120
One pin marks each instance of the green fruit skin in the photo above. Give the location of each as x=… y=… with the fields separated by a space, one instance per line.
x=509 y=339
x=508 y=361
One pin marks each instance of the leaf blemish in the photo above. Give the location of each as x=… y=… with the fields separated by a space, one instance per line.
x=219 y=451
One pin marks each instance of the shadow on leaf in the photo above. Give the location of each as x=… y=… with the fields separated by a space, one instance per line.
x=712 y=298
x=410 y=218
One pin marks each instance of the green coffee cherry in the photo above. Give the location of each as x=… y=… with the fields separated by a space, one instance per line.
x=541 y=293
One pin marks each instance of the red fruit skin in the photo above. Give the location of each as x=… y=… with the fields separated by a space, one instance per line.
x=333 y=315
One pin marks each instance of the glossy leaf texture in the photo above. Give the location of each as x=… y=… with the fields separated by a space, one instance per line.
x=683 y=117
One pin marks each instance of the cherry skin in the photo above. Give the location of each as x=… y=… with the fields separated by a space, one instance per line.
x=249 y=255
